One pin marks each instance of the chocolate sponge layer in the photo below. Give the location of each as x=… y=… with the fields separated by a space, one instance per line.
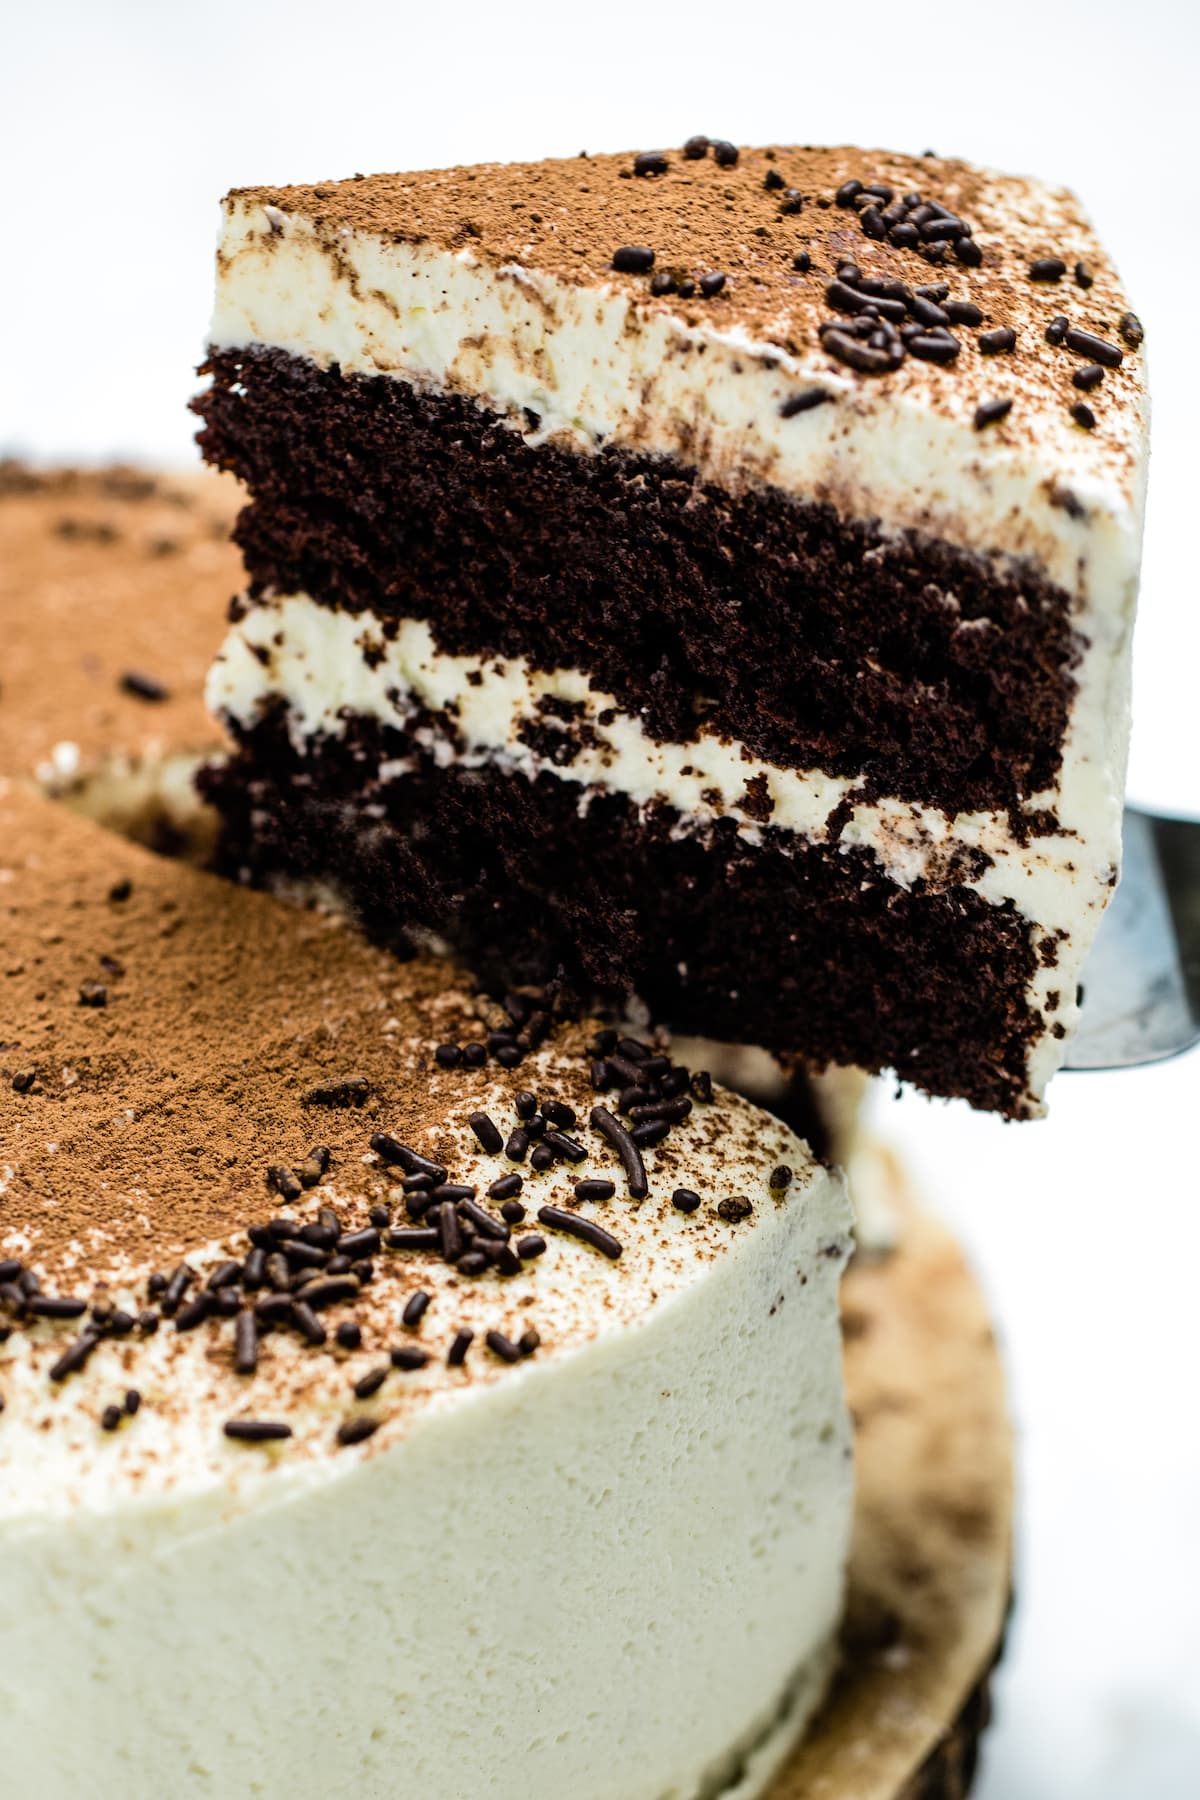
x=941 y=676
x=778 y=943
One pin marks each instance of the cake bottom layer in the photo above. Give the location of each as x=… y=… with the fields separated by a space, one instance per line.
x=778 y=942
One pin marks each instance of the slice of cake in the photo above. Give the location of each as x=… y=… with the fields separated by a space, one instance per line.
x=708 y=572
x=108 y=583
x=345 y=1315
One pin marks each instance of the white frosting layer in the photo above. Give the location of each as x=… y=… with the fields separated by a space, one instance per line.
x=601 y=1573
x=313 y=656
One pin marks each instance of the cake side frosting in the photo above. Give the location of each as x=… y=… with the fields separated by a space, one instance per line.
x=623 y=1406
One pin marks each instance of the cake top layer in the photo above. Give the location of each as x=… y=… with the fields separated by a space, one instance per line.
x=113 y=585
x=218 y=1112
x=774 y=246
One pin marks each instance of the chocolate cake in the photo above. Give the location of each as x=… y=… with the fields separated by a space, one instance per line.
x=705 y=573
x=348 y=1317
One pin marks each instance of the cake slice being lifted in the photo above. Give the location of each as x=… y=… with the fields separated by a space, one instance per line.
x=710 y=573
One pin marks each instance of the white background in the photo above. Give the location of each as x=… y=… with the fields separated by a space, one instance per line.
x=122 y=123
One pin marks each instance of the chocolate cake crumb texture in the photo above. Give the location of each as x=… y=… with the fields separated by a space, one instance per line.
x=850 y=629
x=491 y=877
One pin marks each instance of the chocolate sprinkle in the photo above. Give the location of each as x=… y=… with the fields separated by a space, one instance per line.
x=1132 y=329
x=143 y=687
x=566 y=1147
x=595 y=1190
x=934 y=347
x=559 y=1113
x=484 y=1222
x=724 y=153
x=487 y=1132
x=633 y=259
x=357 y=1431
x=517 y=1147
x=392 y=1151
x=1047 y=268
x=585 y=1229
x=502 y=1347
x=990 y=412
x=1083 y=416
x=370 y=1383
x=998 y=342
x=416 y=1238
x=75 y=1357
x=685 y=1201
x=308 y=1324
x=257 y=1431
x=47 y=1306
x=245 y=1343
x=450 y=1230
x=456 y=1356
x=415 y=1308
x=1087 y=344
x=194 y=1313
x=803 y=402
x=734 y=1209
x=1090 y=376
x=616 y=1135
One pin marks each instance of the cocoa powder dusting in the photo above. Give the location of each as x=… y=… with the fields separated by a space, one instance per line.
x=150 y=1122
x=106 y=575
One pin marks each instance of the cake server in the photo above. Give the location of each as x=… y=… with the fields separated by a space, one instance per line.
x=1141 y=982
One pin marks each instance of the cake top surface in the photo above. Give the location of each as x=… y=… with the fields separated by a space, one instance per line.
x=113 y=586
x=778 y=224
x=186 y=1065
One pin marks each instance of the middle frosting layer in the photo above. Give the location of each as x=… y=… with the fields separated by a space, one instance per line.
x=328 y=667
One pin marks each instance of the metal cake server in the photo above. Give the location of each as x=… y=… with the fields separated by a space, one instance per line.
x=1141 y=982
